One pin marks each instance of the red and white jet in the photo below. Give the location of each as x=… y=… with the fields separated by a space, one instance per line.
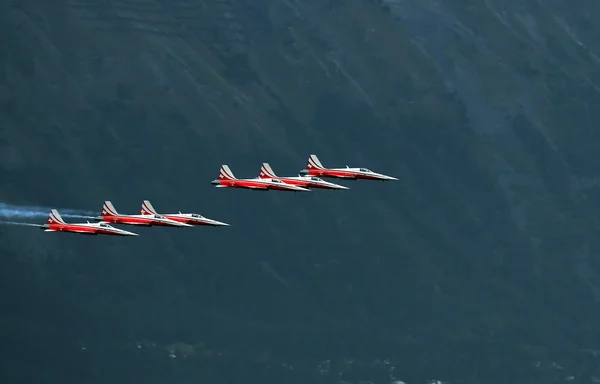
x=266 y=172
x=227 y=179
x=55 y=223
x=315 y=168
x=188 y=218
x=109 y=214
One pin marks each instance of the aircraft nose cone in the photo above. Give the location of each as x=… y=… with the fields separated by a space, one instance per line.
x=304 y=172
x=214 y=223
x=341 y=187
x=215 y=182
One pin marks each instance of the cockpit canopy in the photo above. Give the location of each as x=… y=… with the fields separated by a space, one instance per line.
x=197 y=216
x=365 y=170
x=315 y=179
x=276 y=181
x=104 y=225
x=159 y=217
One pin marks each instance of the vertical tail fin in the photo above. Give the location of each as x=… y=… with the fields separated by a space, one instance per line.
x=225 y=173
x=147 y=208
x=266 y=172
x=108 y=209
x=314 y=163
x=55 y=218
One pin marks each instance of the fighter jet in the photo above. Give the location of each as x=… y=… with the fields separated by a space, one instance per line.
x=266 y=172
x=315 y=168
x=110 y=214
x=227 y=179
x=55 y=223
x=188 y=218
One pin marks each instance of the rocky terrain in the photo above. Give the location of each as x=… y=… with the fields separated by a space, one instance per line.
x=479 y=266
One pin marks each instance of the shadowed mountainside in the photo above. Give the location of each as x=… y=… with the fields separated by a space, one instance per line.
x=478 y=266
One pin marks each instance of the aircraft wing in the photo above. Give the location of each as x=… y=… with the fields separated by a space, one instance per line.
x=85 y=232
x=259 y=188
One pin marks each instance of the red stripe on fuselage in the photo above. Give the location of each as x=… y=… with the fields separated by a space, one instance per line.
x=334 y=173
x=129 y=220
x=188 y=220
x=296 y=182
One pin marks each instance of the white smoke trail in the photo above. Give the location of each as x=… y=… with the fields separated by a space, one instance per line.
x=10 y=211
x=17 y=223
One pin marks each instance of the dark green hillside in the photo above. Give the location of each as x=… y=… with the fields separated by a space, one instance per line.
x=479 y=265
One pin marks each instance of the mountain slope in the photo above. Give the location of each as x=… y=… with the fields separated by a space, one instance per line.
x=478 y=264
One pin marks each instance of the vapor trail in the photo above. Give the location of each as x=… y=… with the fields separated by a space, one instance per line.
x=17 y=223
x=10 y=211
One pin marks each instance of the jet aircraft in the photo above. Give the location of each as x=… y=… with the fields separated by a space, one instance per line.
x=110 y=214
x=227 y=179
x=266 y=172
x=55 y=223
x=315 y=168
x=188 y=218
